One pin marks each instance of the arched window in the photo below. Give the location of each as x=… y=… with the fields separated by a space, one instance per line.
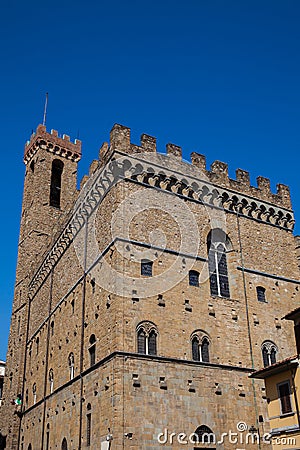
x=205 y=350
x=195 y=349
x=141 y=340
x=146 y=267
x=55 y=187
x=71 y=365
x=269 y=353
x=147 y=339
x=152 y=343
x=52 y=327
x=64 y=444
x=37 y=344
x=203 y=435
x=261 y=294
x=217 y=243
x=193 y=278
x=34 y=393
x=200 y=347
x=29 y=447
x=92 y=350
x=51 y=380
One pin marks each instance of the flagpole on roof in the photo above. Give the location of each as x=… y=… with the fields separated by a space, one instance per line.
x=45 y=109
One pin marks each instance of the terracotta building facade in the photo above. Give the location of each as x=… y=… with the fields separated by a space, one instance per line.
x=145 y=299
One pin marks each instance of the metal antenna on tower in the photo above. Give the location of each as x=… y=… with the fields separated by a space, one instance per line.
x=45 y=109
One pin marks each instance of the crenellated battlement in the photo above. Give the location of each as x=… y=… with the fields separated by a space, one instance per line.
x=52 y=143
x=217 y=174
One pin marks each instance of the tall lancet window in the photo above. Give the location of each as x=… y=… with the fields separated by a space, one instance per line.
x=217 y=243
x=55 y=187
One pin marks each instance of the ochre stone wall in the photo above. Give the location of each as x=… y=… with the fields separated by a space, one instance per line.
x=91 y=284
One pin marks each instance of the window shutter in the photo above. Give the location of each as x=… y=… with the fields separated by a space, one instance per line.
x=152 y=343
x=141 y=341
x=285 y=399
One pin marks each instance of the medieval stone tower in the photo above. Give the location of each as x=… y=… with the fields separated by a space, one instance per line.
x=144 y=300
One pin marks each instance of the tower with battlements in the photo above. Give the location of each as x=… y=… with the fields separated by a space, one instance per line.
x=144 y=300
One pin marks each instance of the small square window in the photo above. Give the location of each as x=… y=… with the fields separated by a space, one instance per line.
x=146 y=268
x=261 y=294
x=194 y=278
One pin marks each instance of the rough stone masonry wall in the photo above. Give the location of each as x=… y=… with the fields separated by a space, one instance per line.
x=39 y=223
x=113 y=318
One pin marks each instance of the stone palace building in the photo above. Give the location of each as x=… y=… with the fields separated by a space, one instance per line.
x=144 y=300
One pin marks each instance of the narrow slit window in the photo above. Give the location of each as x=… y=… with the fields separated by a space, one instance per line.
x=64 y=445
x=88 y=429
x=55 y=186
x=51 y=381
x=71 y=366
x=34 y=393
x=92 y=350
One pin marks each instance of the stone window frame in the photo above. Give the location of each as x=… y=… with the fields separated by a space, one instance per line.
x=201 y=336
x=194 y=278
x=146 y=268
x=261 y=294
x=218 y=245
x=268 y=349
x=148 y=328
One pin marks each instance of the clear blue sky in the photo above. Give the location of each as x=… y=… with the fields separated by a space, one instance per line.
x=218 y=77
